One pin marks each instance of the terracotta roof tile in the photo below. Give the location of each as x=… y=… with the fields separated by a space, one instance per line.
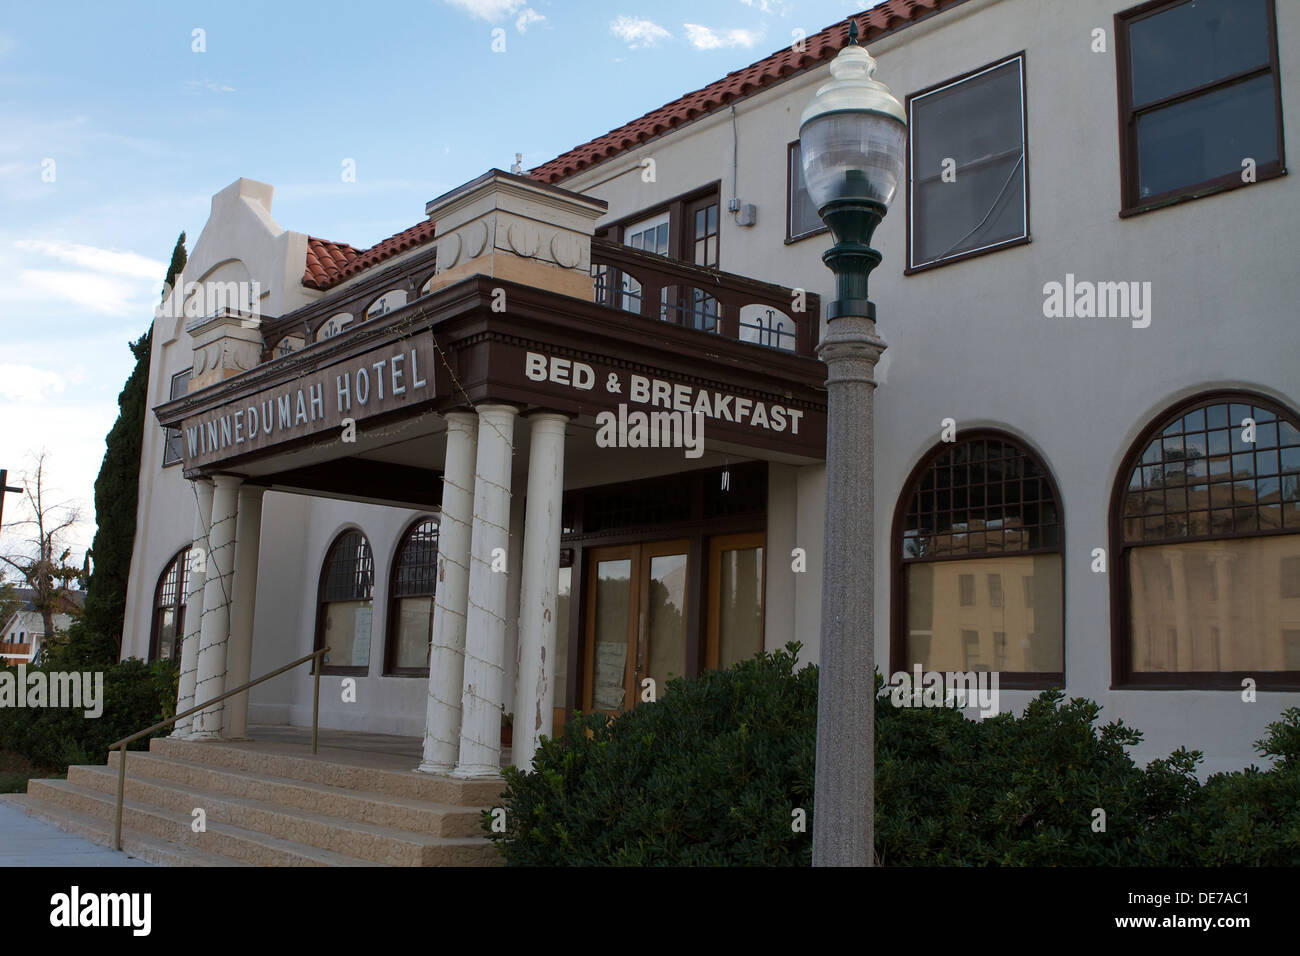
x=329 y=263
x=889 y=15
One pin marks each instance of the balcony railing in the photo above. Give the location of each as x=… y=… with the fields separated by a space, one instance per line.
x=733 y=306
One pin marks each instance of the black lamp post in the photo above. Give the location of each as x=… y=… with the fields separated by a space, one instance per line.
x=852 y=139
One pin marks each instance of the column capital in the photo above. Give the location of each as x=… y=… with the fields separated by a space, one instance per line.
x=222 y=480
x=248 y=491
x=547 y=418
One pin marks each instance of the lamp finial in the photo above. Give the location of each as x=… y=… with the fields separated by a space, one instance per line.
x=853 y=33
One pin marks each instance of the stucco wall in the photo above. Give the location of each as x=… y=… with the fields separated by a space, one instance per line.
x=969 y=340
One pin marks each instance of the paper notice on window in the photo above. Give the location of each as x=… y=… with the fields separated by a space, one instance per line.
x=361 y=637
x=607 y=682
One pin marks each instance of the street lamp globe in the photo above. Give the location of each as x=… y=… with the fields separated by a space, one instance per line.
x=853 y=143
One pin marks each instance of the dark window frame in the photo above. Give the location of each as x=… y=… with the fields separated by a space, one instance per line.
x=171 y=435
x=680 y=247
x=394 y=599
x=180 y=560
x=910 y=268
x=342 y=670
x=790 y=237
x=1123 y=675
x=1130 y=203
x=1011 y=680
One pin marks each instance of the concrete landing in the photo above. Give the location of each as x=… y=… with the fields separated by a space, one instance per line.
x=28 y=841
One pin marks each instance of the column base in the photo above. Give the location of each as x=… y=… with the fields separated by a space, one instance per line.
x=441 y=769
x=205 y=735
x=472 y=772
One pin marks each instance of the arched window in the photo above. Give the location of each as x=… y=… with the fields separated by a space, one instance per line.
x=977 y=564
x=168 y=627
x=345 y=606
x=410 y=601
x=1205 y=547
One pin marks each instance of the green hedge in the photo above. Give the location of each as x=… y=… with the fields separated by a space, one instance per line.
x=712 y=773
x=135 y=695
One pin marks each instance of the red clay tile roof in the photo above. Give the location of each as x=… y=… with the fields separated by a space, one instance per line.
x=887 y=16
x=329 y=263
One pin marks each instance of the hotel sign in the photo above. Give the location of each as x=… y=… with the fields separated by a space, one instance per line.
x=626 y=400
x=382 y=380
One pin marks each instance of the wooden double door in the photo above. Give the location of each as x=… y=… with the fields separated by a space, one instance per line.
x=638 y=618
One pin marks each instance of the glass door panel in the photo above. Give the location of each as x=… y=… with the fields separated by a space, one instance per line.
x=735 y=598
x=611 y=629
x=664 y=641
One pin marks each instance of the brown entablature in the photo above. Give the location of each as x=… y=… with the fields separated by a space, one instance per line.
x=481 y=352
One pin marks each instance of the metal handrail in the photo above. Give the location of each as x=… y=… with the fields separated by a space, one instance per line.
x=120 y=745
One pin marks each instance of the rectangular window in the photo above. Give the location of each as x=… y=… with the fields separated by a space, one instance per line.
x=999 y=650
x=1291 y=577
x=995 y=590
x=173 y=451
x=801 y=218
x=1199 y=99
x=966 y=583
x=968 y=188
x=970 y=642
x=1243 y=632
x=1026 y=640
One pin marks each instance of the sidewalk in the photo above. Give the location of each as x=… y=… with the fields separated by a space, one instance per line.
x=27 y=841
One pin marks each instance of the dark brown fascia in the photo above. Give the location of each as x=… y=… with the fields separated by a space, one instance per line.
x=462 y=313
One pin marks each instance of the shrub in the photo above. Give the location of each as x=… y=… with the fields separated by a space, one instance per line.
x=135 y=695
x=710 y=775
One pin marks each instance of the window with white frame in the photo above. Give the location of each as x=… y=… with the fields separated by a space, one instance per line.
x=968 y=188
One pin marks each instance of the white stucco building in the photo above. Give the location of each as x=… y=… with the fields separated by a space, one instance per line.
x=1087 y=427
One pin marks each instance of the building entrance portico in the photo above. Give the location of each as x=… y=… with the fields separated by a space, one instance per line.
x=485 y=404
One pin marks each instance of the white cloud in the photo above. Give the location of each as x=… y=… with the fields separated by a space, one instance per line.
x=637 y=32
x=129 y=265
x=702 y=38
x=210 y=85
x=28 y=383
x=773 y=6
x=107 y=295
x=527 y=17
x=490 y=10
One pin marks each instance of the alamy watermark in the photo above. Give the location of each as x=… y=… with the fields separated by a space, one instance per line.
x=945 y=689
x=80 y=690
x=1083 y=299
x=197 y=300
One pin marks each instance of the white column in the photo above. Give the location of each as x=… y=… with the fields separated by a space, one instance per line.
x=195 y=576
x=217 y=589
x=485 y=626
x=541 y=578
x=451 y=596
x=239 y=652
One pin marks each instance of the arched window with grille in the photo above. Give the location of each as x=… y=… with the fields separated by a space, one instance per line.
x=1205 y=547
x=410 y=601
x=345 y=605
x=977 y=572
x=168 y=626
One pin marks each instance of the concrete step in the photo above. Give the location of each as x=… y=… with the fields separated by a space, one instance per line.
x=135 y=843
x=234 y=842
x=381 y=809
x=335 y=767
x=348 y=836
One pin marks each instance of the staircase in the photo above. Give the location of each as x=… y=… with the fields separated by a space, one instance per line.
x=270 y=802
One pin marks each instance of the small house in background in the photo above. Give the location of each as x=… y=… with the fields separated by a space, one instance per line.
x=22 y=635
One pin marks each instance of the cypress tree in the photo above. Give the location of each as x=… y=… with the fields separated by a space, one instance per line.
x=96 y=638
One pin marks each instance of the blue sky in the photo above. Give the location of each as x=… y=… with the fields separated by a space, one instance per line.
x=115 y=131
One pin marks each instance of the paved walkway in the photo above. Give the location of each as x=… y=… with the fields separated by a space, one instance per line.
x=27 y=841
